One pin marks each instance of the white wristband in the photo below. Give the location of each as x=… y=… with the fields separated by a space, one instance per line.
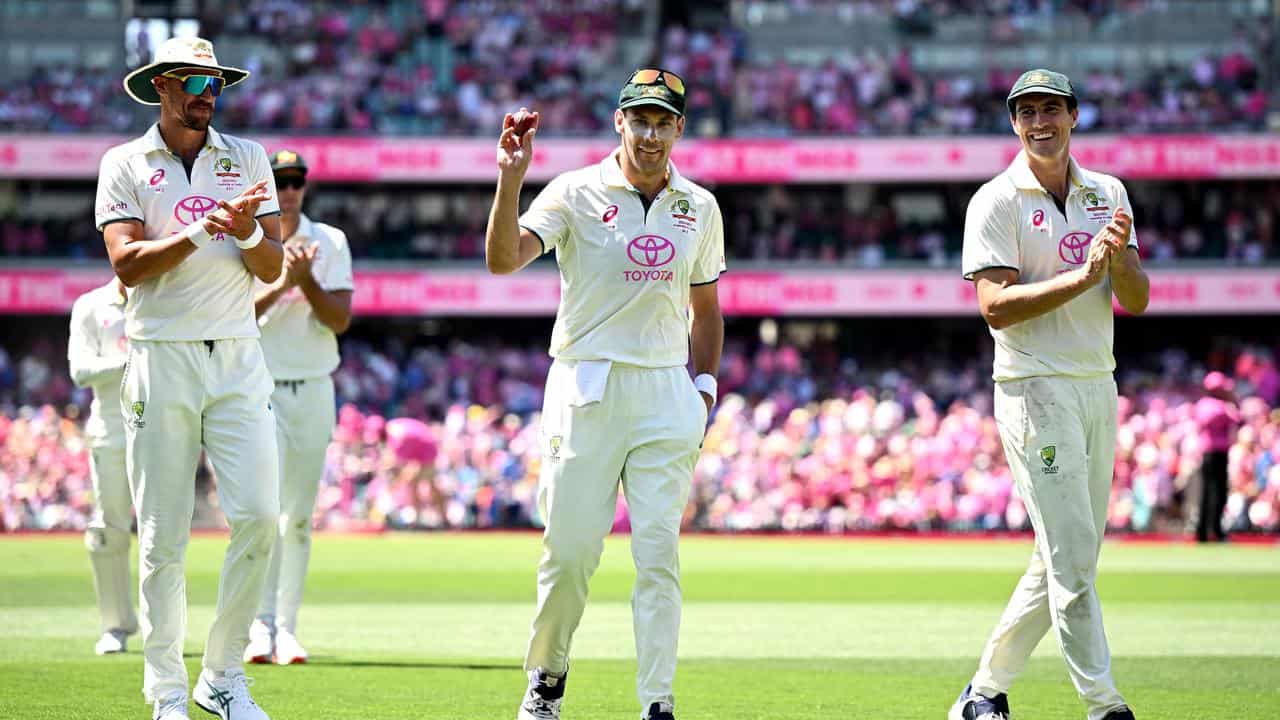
x=196 y=233
x=254 y=238
x=706 y=383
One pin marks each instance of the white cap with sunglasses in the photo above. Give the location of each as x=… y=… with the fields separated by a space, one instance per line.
x=189 y=58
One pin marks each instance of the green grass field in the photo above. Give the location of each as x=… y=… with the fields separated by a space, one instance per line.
x=434 y=626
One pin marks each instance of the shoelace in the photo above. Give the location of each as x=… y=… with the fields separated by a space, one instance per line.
x=240 y=688
x=541 y=707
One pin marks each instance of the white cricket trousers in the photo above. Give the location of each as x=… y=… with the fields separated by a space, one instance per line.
x=108 y=536
x=178 y=396
x=1059 y=438
x=305 y=417
x=640 y=426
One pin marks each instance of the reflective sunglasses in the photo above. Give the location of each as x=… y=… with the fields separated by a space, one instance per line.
x=197 y=84
x=291 y=181
x=656 y=77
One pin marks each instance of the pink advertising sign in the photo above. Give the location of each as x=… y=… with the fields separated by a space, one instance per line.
x=536 y=291
x=828 y=160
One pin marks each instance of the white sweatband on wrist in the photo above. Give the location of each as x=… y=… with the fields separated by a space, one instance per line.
x=254 y=238
x=196 y=233
x=706 y=383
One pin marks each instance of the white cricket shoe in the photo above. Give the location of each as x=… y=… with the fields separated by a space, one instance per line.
x=288 y=650
x=261 y=645
x=173 y=708
x=542 y=699
x=111 y=642
x=227 y=697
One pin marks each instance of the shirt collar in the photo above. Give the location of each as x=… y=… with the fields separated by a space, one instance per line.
x=155 y=141
x=113 y=291
x=611 y=174
x=215 y=139
x=1024 y=179
x=305 y=229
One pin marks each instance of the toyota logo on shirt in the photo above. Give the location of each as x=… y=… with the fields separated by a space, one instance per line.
x=1074 y=247
x=193 y=207
x=651 y=251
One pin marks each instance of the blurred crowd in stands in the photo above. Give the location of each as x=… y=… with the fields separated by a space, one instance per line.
x=856 y=226
x=431 y=67
x=872 y=93
x=807 y=439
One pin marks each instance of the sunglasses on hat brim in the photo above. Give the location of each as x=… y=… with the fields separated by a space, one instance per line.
x=197 y=84
x=653 y=76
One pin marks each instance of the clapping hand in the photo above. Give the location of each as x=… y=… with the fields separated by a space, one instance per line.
x=297 y=262
x=1120 y=229
x=237 y=216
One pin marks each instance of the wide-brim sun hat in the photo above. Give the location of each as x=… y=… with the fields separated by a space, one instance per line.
x=176 y=54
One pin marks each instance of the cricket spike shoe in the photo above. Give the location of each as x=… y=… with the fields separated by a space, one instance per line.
x=227 y=697
x=542 y=699
x=111 y=642
x=972 y=706
x=288 y=650
x=262 y=647
x=660 y=711
x=171 y=708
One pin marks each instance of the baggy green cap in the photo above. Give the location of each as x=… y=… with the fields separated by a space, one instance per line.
x=1041 y=81
x=658 y=92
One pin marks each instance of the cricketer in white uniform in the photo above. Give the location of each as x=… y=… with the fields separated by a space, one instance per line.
x=301 y=315
x=638 y=246
x=1047 y=243
x=96 y=353
x=189 y=219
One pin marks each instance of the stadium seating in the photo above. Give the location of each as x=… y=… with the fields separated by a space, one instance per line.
x=799 y=442
x=438 y=68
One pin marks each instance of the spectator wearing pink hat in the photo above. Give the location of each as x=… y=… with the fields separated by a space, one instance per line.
x=1218 y=418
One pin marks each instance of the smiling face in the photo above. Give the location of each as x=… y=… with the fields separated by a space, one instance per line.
x=195 y=112
x=648 y=134
x=1043 y=122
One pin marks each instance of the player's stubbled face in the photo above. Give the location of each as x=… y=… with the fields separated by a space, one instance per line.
x=195 y=111
x=648 y=134
x=1043 y=123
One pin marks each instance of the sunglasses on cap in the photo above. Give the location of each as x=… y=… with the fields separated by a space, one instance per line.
x=658 y=77
x=197 y=84
x=291 y=181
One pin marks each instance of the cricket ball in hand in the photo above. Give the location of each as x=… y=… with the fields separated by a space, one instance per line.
x=522 y=121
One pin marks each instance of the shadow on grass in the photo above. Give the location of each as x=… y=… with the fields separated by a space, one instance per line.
x=330 y=661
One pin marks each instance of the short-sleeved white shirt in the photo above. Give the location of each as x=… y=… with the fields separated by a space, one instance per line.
x=98 y=339
x=296 y=344
x=625 y=273
x=1014 y=222
x=210 y=295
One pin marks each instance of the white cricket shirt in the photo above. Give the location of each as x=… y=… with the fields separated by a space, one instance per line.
x=96 y=355
x=625 y=273
x=1013 y=222
x=296 y=344
x=210 y=295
